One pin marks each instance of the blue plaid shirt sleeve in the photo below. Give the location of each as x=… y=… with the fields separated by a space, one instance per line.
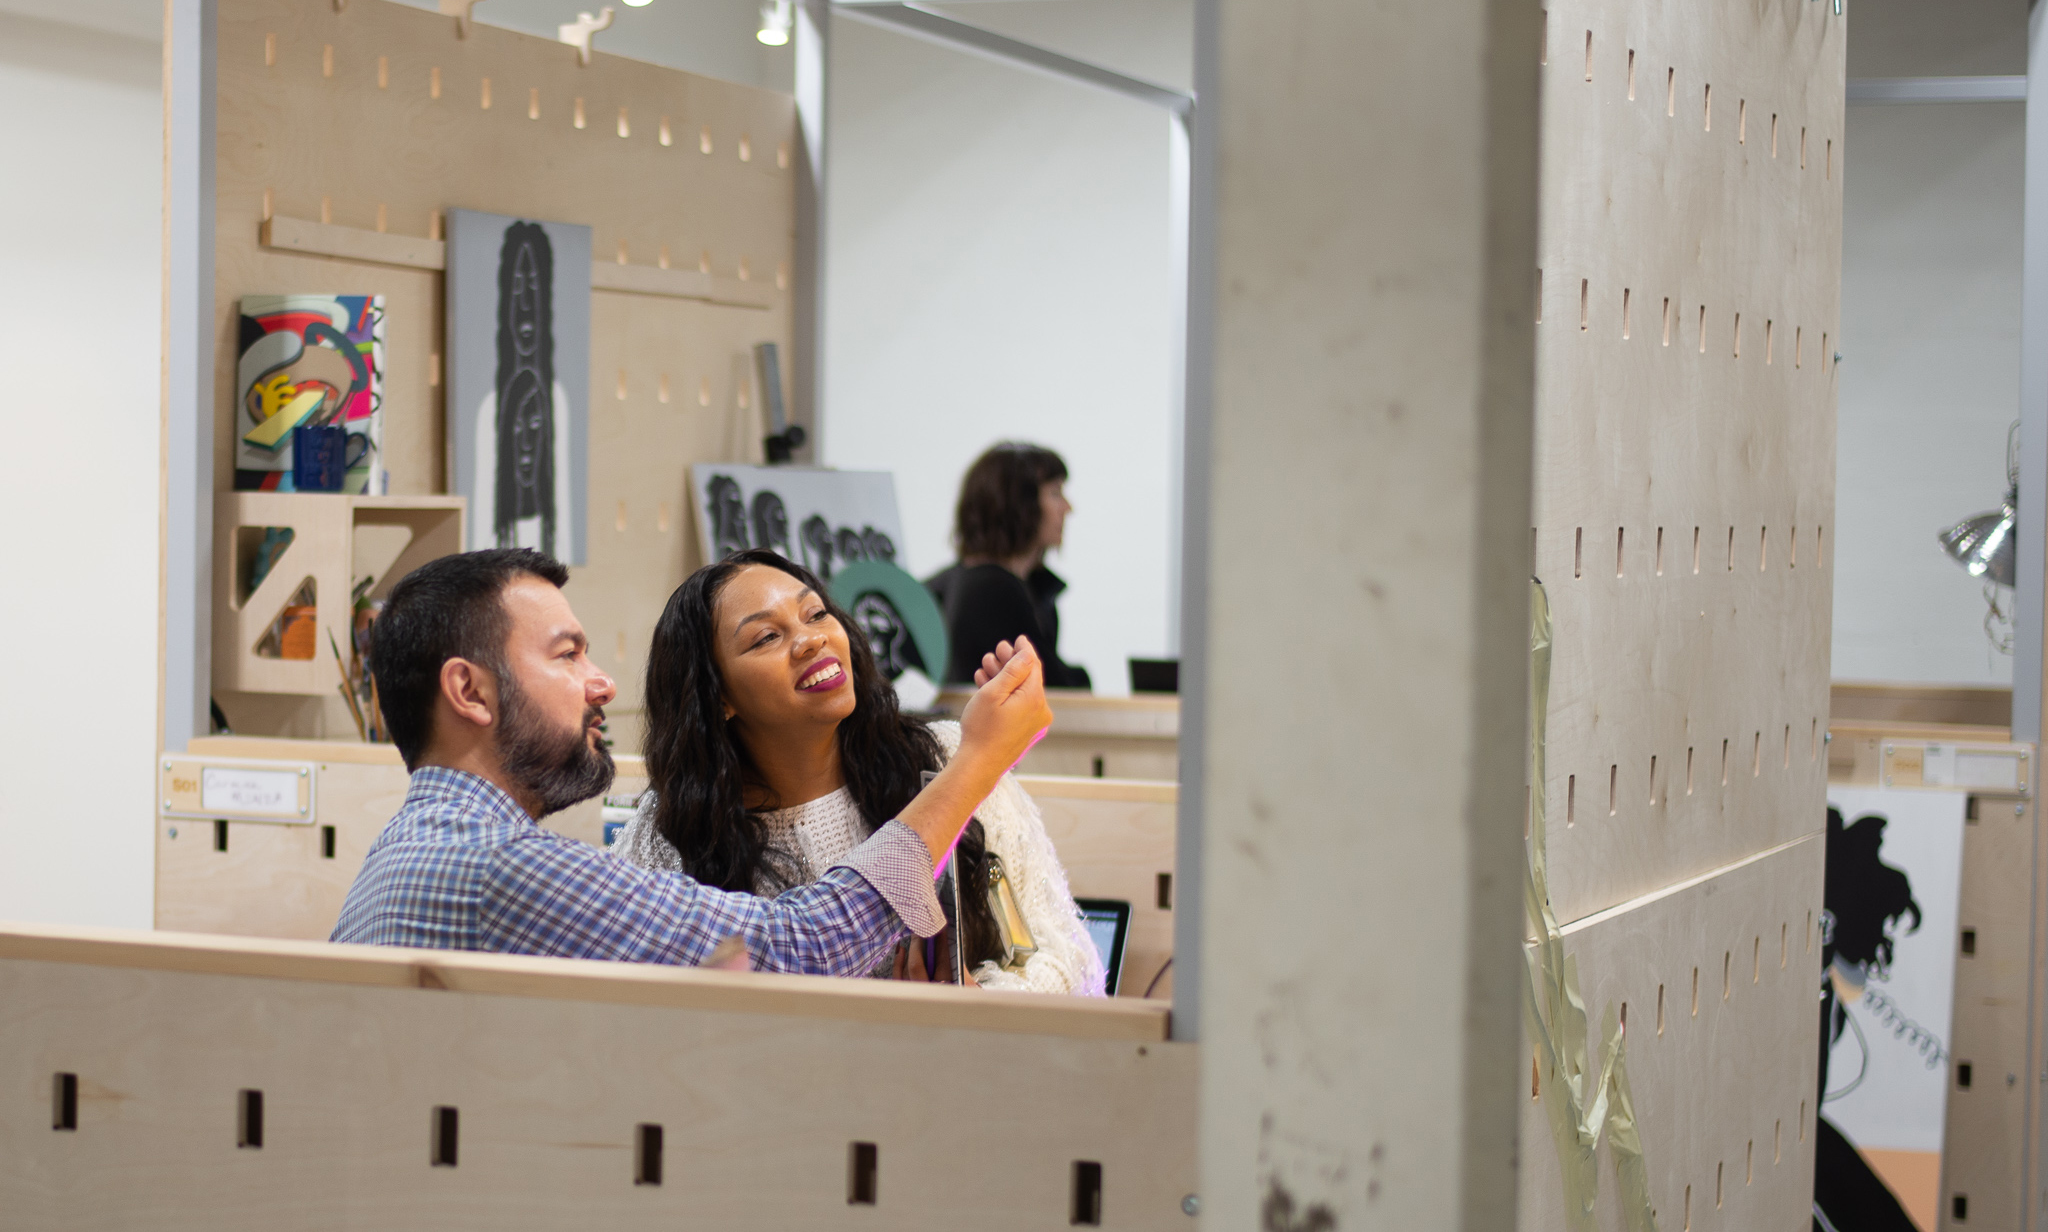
x=546 y=894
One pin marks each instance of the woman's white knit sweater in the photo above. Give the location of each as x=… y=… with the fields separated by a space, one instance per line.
x=818 y=834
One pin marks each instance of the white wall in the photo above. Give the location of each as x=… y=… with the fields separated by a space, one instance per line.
x=999 y=269
x=1929 y=381
x=1930 y=340
x=80 y=227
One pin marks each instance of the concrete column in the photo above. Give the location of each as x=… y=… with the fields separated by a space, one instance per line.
x=813 y=36
x=2030 y=599
x=186 y=653
x=1361 y=401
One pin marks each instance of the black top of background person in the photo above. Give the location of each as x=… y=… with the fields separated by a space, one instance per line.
x=986 y=604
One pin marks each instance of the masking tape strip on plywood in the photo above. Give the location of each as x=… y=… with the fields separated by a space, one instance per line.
x=382 y=248
x=1579 y=1106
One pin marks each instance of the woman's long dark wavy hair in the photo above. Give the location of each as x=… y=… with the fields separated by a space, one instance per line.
x=699 y=770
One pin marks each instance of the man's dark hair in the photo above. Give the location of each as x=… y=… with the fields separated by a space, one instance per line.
x=998 y=514
x=445 y=609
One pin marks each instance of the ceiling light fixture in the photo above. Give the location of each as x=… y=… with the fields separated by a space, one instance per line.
x=776 y=19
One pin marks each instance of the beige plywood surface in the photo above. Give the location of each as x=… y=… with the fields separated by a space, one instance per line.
x=1121 y=849
x=1719 y=979
x=1985 y=1131
x=1116 y=839
x=1688 y=319
x=277 y=880
x=569 y=979
x=1692 y=157
x=371 y=118
x=1134 y=757
x=758 y=1110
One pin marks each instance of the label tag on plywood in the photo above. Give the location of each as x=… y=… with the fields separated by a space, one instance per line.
x=1995 y=769
x=238 y=790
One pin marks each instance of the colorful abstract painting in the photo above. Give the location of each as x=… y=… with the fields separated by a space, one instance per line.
x=309 y=361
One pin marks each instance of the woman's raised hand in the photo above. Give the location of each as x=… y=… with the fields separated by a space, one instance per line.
x=1008 y=712
x=1003 y=719
x=992 y=662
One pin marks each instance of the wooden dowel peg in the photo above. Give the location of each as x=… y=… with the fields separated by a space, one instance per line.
x=460 y=11
x=577 y=33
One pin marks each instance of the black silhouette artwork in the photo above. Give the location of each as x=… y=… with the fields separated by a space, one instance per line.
x=733 y=522
x=816 y=538
x=1864 y=901
x=888 y=635
x=726 y=507
x=525 y=480
x=771 y=521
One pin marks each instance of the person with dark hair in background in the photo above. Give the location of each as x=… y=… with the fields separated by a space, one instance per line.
x=775 y=744
x=487 y=688
x=1012 y=510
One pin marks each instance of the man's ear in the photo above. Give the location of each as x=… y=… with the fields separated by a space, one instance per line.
x=470 y=691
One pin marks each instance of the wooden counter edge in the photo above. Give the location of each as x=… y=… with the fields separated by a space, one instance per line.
x=568 y=979
x=349 y=752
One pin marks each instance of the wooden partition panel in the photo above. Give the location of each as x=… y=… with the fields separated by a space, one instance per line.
x=980 y=1109
x=1115 y=839
x=1689 y=319
x=1101 y=737
x=344 y=134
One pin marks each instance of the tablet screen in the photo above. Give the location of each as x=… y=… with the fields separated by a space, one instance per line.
x=1108 y=923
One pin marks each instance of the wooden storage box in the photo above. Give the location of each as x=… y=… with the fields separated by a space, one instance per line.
x=337 y=541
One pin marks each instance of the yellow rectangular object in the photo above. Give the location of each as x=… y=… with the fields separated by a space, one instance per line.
x=238 y=790
x=272 y=430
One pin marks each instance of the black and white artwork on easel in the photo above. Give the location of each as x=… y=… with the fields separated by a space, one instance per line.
x=1889 y=938
x=518 y=329
x=820 y=518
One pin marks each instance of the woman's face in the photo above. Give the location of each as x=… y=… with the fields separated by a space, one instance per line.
x=784 y=657
x=1052 y=513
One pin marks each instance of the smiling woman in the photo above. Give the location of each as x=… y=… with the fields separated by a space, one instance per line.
x=774 y=747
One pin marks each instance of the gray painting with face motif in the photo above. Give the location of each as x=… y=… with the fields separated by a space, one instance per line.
x=518 y=330
x=820 y=518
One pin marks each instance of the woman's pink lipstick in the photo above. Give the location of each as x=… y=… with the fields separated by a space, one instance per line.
x=825 y=675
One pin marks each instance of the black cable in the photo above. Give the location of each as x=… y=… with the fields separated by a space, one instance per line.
x=1155 y=979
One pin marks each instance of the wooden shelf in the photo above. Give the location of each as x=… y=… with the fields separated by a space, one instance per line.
x=324 y=527
x=417 y=252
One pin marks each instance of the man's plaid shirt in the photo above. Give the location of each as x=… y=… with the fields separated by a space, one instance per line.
x=462 y=867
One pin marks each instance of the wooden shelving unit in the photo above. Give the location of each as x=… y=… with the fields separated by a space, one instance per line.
x=336 y=542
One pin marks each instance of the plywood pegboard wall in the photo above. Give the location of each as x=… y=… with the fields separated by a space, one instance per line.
x=378 y=118
x=1714 y=983
x=552 y=1072
x=1689 y=314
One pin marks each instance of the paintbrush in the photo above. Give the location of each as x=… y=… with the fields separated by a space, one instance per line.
x=347 y=687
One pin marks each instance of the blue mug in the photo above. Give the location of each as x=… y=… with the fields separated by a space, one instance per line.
x=319 y=458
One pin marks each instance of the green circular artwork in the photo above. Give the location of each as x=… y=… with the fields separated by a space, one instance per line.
x=900 y=617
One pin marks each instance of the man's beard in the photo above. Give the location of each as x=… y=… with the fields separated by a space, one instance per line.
x=556 y=768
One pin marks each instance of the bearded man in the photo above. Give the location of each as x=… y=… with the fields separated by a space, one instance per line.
x=487 y=688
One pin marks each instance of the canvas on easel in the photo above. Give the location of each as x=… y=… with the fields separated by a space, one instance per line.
x=821 y=518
